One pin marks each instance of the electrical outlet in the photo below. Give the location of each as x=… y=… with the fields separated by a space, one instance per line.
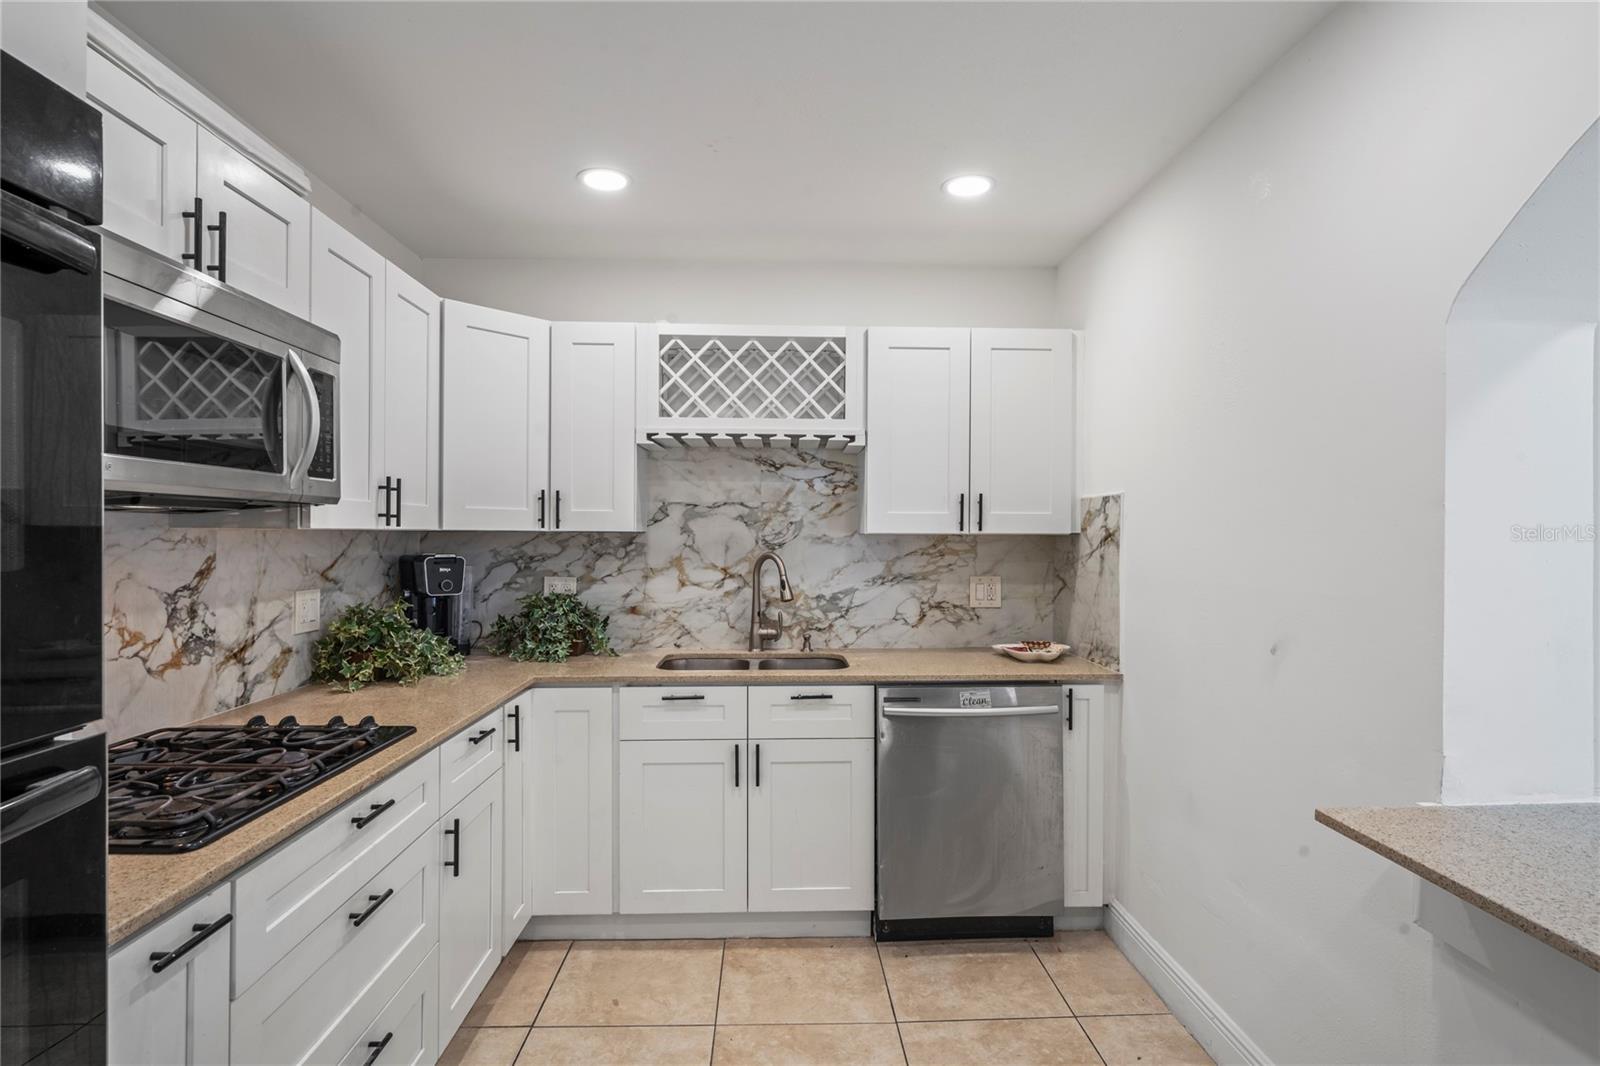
x=554 y=585
x=307 y=611
x=984 y=591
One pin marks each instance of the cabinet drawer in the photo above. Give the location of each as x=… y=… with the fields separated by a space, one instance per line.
x=406 y=1031
x=313 y=1004
x=819 y=711
x=178 y=1016
x=683 y=712
x=293 y=890
x=471 y=757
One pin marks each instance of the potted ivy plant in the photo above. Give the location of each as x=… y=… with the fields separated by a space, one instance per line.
x=550 y=628
x=367 y=643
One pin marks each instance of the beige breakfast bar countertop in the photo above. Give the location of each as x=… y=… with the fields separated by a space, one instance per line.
x=1535 y=866
x=144 y=888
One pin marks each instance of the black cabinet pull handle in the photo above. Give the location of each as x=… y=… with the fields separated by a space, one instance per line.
x=387 y=488
x=756 y=765
x=1069 y=710
x=221 y=230
x=812 y=696
x=558 y=508
x=736 y=766
x=374 y=902
x=697 y=696
x=541 y=508
x=202 y=932
x=197 y=256
x=481 y=737
x=980 y=512
x=362 y=821
x=454 y=832
x=961 y=513
x=515 y=714
x=399 y=500
x=377 y=1047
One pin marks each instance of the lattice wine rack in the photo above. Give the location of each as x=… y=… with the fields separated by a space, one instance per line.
x=750 y=387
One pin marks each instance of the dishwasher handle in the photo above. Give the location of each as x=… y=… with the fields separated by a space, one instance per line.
x=969 y=712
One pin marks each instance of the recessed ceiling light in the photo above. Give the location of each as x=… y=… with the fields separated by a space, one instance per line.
x=966 y=186
x=603 y=179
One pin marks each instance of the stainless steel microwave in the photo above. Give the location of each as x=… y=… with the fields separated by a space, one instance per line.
x=214 y=400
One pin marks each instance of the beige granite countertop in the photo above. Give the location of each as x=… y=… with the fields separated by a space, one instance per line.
x=144 y=888
x=1535 y=866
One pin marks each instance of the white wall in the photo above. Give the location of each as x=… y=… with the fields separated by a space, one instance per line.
x=1265 y=381
x=48 y=35
x=776 y=293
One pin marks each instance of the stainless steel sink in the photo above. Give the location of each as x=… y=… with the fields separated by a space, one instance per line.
x=804 y=662
x=703 y=662
x=753 y=662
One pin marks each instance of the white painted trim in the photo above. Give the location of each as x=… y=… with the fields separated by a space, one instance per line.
x=696 y=926
x=111 y=41
x=1218 y=1033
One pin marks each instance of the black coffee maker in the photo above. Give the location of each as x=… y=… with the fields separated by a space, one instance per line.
x=432 y=587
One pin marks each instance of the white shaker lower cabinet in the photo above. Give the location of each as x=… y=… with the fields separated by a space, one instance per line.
x=811 y=823
x=406 y=1032
x=516 y=903
x=570 y=808
x=1083 y=794
x=470 y=921
x=168 y=988
x=681 y=820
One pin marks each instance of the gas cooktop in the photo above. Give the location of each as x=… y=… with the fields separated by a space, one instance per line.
x=179 y=789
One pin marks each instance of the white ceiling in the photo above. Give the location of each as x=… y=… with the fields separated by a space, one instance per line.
x=752 y=131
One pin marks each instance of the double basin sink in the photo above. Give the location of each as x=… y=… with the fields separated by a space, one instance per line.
x=753 y=661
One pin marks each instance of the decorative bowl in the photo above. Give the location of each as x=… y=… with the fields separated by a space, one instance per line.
x=1033 y=651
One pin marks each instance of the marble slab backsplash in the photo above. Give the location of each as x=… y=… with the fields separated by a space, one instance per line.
x=200 y=620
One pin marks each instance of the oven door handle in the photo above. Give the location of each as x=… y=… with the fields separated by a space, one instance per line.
x=47 y=234
x=303 y=465
x=970 y=712
x=48 y=800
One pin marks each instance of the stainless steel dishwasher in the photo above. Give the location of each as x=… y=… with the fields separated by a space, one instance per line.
x=969 y=811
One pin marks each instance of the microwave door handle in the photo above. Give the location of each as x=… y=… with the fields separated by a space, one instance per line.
x=303 y=466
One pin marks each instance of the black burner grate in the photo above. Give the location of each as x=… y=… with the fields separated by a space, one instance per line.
x=178 y=789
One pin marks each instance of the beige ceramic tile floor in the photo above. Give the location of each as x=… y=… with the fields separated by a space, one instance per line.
x=1072 y=999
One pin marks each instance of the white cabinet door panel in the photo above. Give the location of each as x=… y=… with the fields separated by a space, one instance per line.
x=406 y=1032
x=811 y=822
x=517 y=855
x=1022 y=431
x=682 y=712
x=821 y=711
x=411 y=397
x=916 y=475
x=496 y=419
x=149 y=160
x=571 y=803
x=469 y=903
x=470 y=757
x=347 y=286
x=178 y=1017
x=681 y=821
x=265 y=245
x=1083 y=794
x=594 y=459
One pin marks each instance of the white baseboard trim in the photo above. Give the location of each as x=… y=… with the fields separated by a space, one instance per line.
x=697 y=926
x=1218 y=1033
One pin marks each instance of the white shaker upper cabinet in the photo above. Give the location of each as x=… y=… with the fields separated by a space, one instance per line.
x=410 y=403
x=149 y=161
x=496 y=419
x=1022 y=431
x=918 y=383
x=594 y=461
x=347 y=286
x=259 y=231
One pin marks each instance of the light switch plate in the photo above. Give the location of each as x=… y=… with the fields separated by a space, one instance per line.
x=984 y=591
x=307 y=611
x=554 y=585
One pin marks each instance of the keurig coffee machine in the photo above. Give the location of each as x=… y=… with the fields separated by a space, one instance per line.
x=431 y=586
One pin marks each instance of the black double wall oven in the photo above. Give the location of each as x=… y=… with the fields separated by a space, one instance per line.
x=52 y=768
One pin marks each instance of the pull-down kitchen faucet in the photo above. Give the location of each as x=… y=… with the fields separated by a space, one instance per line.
x=761 y=634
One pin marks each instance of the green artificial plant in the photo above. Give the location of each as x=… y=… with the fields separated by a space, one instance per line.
x=369 y=643
x=549 y=628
